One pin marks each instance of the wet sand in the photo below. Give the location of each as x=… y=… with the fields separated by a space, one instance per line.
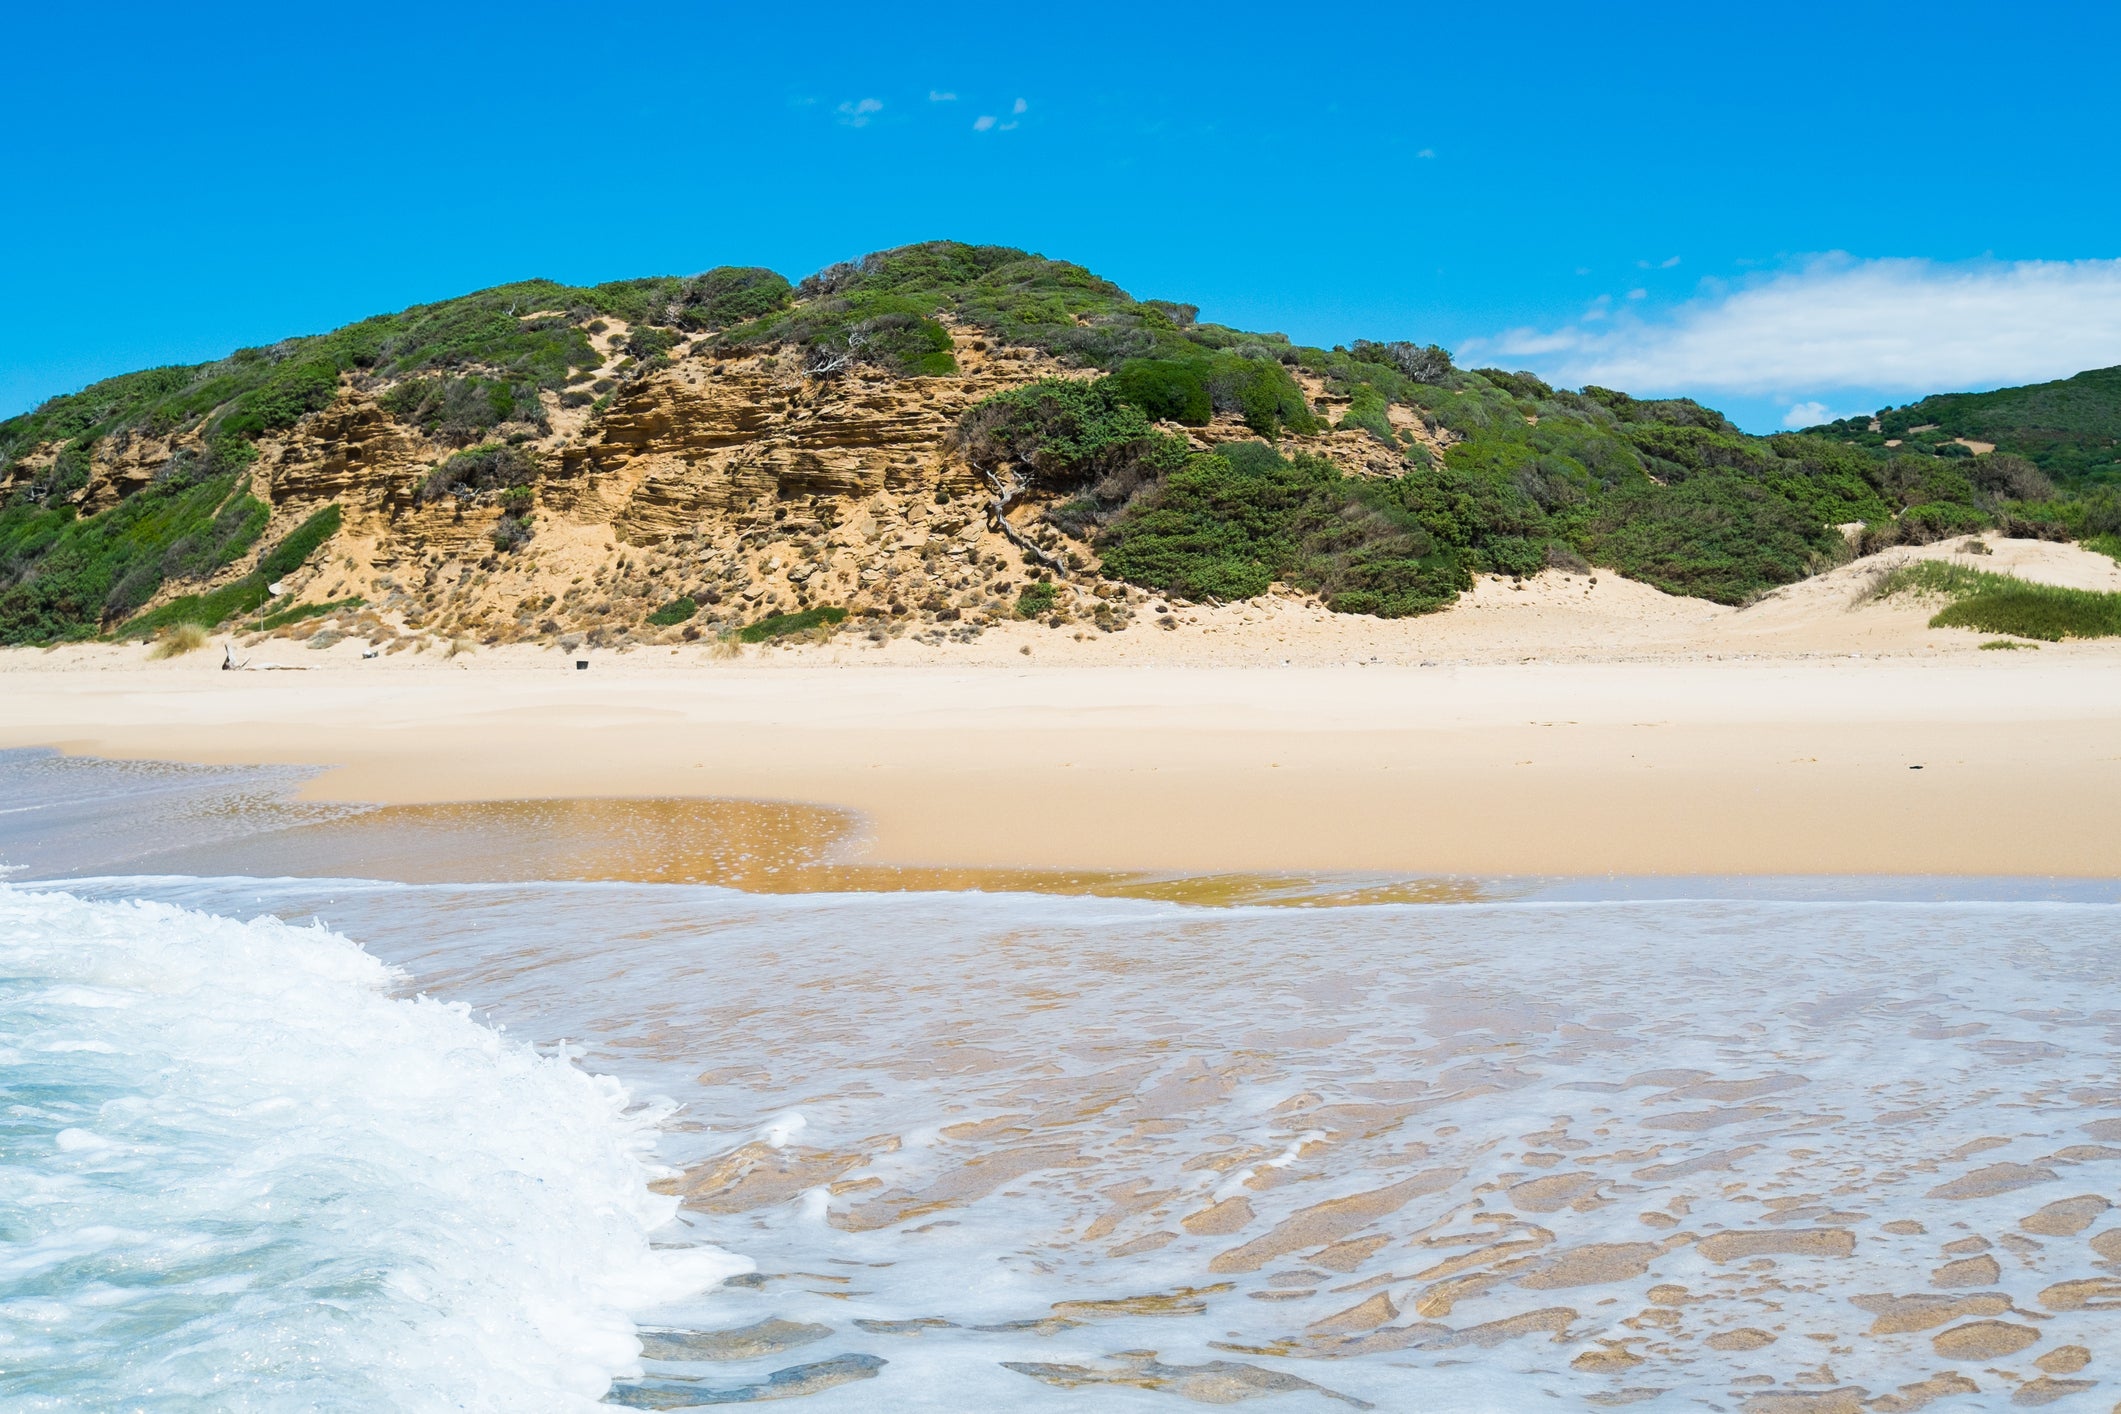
x=1983 y=764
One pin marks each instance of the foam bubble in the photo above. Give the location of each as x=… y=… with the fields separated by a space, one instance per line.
x=241 y=1174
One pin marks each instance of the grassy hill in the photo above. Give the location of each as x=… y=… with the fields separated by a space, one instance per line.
x=2070 y=428
x=1194 y=459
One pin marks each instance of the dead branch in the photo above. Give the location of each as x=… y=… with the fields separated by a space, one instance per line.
x=998 y=508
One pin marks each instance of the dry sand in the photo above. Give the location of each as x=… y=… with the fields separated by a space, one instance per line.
x=1562 y=727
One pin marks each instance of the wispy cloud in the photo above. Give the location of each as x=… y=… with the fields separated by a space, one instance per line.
x=1837 y=322
x=989 y=123
x=856 y=113
x=938 y=96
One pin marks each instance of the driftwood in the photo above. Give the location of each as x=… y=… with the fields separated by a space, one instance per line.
x=998 y=508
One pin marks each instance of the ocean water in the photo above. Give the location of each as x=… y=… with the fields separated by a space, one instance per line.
x=1742 y=1147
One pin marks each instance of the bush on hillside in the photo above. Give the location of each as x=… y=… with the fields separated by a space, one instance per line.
x=464 y=409
x=1063 y=433
x=731 y=294
x=494 y=466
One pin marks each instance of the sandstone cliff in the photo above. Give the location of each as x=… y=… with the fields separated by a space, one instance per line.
x=744 y=484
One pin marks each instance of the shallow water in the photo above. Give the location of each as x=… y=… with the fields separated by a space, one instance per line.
x=1543 y=1151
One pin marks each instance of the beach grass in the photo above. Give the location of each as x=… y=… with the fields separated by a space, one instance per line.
x=2000 y=603
x=179 y=639
x=308 y=611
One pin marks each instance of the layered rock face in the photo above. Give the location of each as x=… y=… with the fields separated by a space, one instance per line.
x=742 y=484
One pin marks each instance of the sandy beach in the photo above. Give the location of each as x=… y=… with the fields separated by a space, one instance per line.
x=1562 y=728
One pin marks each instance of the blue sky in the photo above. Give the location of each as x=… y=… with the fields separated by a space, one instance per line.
x=1827 y=207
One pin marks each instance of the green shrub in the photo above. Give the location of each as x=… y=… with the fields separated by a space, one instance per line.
x=1367 y=411
x=910 y=345
x=1036 y=599
x=464 y=409
x=1226 y=526
x=1067 y=432
x=649 y=344
x=1420 y=363
x=1165 y=389
x=494 y=466
x=732 y=294
x=782 y=625
x=1261 y=391
x=1719 y=537
x=675 y=612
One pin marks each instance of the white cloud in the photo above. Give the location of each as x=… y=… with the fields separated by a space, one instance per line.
x=1638 y=294
x=857 y=113
x=983 y=122
x=1912 y=326
x=1807 y=415
x=936 y=96
x=1668 y=262
x=1021 y=108
x=1426 y=152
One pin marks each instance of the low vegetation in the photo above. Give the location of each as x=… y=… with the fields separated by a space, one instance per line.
x=675 y=612
x=301 y=612
x=1036 y=599
x=67 y=576
x=238 y=597
x=784 y=625
x=1998 y=603
x=179 y=639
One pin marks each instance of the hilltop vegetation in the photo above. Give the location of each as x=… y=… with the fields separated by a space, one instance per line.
x=1185 y=457
x=2070 y=429
x=1667 y=491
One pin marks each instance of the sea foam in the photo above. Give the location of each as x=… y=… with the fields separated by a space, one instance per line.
x=237 y=1173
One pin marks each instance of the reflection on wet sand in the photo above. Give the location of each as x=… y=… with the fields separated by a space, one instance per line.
x=768 y=847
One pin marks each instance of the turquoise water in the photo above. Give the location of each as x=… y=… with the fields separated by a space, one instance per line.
x=1726 y=1145
x=240 y=1174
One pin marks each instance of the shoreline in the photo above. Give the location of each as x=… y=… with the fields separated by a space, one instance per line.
x=1775 y=768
